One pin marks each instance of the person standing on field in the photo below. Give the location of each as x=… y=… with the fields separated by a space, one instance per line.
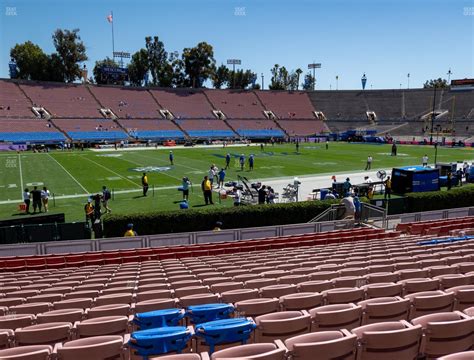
x=368 y=166
x=105 y=198
x=27 y=200
x=171 y=158
x=45 y=198
x=36 y=196
x=206 y=187
x=145 y=184
x=424 y=161
x=227 y=161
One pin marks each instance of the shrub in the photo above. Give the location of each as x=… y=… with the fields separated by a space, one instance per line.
x=205 y=219
x=438 y=200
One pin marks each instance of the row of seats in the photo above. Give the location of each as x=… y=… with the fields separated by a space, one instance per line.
x=20 y=263
x=276 y=336
x=436 y=227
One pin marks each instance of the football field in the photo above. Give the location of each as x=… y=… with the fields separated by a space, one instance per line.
x=73 y=176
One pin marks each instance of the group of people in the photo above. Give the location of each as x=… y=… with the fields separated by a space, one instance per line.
x=38 y=198
x=93 y=207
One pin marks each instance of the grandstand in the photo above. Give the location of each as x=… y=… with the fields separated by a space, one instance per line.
x=26 y=130
x=410 y=293
x=157 y=114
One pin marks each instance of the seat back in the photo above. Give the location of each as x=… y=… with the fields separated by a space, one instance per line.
x=33 y=352
x=281 y=325
x=99 y=347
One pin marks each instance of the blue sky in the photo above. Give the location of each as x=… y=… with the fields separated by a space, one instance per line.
x=386 y=39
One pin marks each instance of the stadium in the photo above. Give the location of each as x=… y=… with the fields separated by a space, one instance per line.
x=156 y=205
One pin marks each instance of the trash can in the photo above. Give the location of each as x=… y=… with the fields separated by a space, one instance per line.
x=209 y=312
x=158 y=318
x=225 y=331
x=323 y=193
x=159 y=341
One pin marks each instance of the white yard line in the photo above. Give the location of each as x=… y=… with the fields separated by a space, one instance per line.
x=113 y=172
x=67 y=172
x=21 y=176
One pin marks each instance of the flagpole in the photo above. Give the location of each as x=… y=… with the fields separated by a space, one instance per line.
x=113 y=41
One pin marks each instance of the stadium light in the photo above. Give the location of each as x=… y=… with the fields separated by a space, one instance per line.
x=262 y=81
x=234 y=62
x=314 y=66
x=449 y=75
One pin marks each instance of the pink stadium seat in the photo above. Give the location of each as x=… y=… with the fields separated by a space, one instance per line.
x=396 y=339
x=445 y=333
x=33 y=352
x=44 y=334
x=465 y=355
x=326 y=344
x=384 y=309
x=281 y=325
x=335 y=317
x=106 y=325
x=300 y=301
x=64 y=315
x=234 y=296
x=256 y=307
x=266 y=351
x=98 y=347
x=427 y=302
x=155 y=304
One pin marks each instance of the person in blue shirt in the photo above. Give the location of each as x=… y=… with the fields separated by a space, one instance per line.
x=171 y=158
x=358 y=207
x=251 y=162
x=346 y=186
x=221 y=174
x=242 y=162
x=227 y=161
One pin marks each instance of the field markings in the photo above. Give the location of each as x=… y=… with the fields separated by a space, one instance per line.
x=113 y=172
x=67 y=172
x=21 y=176
x=164 y=173
x=176 y=165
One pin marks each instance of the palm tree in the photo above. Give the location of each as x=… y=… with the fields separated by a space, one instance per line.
x=298 y=73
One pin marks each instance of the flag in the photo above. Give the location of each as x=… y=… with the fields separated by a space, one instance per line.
x=110 y=18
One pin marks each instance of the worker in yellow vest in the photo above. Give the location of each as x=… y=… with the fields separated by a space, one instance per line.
x=130 y=231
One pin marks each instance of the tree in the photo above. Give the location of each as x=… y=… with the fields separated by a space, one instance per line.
x=241 y=79
x=309 y=82
x=199 y=63
x=298 y=73
x=32 y=63
x=71 y=51
x=220 y=76
x=280 y=78
x=138 y=67
x=439 y=83
x=102 y=77
x=292 y=81
x=157 y=60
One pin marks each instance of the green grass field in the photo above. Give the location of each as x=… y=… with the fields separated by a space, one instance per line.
x=72 y=176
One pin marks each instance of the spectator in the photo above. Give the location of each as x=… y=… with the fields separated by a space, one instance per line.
x=26 y=200
x=36 y=196
x=171 y=157
x=349 y=207
x=450 y=180
x=130 y=231
x=459 y=174
x=212 y=174
x=251 y=162
x=388 y=187
x=207 y=190
x=262 y=194
x=221 y=175
x=97 y=209
x=330 y=196
x=45 y=198
x=242 y=162
x=89 y=211
x=346 y=186
x=227 y=161
x=237 y=197
x=270 y=195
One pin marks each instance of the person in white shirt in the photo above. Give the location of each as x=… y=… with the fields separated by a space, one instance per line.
x=237 y=197
x=26 y=200
x=45 y=198
x=368 y=166
x=211 y=174
x=424 y=160
x=367 y=180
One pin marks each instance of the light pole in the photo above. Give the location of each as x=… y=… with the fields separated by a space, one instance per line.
x=262 y=81
x=408 y=80
x=233 y=62
x=449 y=75
x=436 y=144
x=314 y=66
x=337 y=82
x=363 y=80
x=433 y=115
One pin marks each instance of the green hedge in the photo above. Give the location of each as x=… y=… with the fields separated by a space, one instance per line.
x=437 y=200
x=205 y=219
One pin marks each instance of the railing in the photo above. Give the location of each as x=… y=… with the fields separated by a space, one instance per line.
x=330 y=214
x=372 y=213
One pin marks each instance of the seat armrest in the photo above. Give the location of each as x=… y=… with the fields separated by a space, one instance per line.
x=304 y=312
x=126 y=339
x=57 y=346
x=346 y=332
x=205 y=356
x=280 y=344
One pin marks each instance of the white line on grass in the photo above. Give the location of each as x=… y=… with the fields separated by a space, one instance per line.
x=67 y=172
x=113 y=172
x=21 y=176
